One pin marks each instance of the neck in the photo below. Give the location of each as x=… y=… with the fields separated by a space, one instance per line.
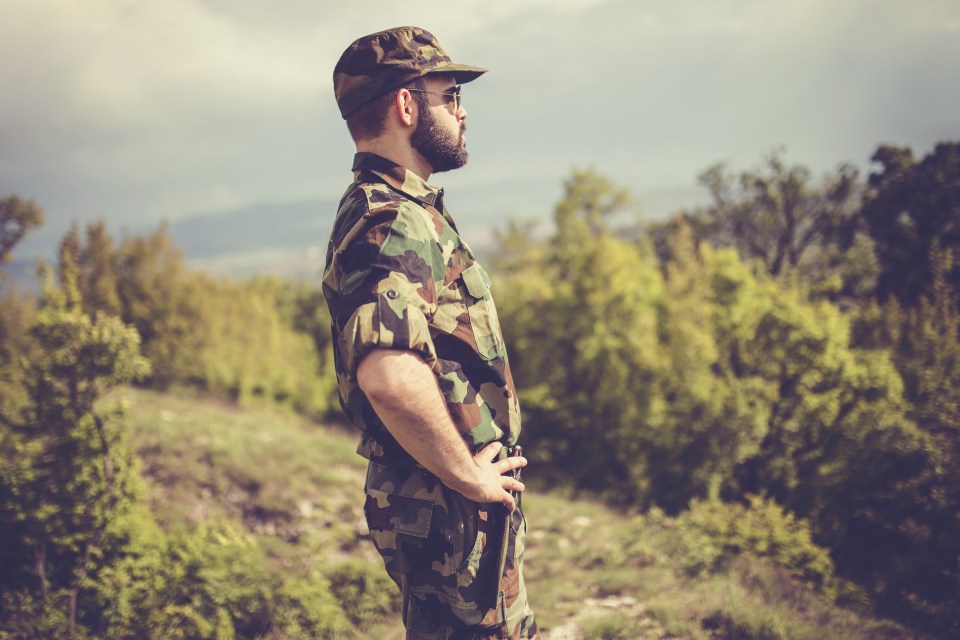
x=403 y=154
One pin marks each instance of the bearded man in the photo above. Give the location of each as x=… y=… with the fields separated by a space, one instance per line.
x=421 y=364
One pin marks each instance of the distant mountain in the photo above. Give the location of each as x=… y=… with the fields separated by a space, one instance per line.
x=254 y=228
x=282 y=238
x=289 y=238
x=21 y=274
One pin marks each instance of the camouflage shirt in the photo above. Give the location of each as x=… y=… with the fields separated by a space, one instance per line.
x=398 y=276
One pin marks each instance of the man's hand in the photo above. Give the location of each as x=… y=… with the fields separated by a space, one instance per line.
x=492 y=484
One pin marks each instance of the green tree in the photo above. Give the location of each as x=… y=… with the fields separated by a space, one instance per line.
x=17 y=217
x=68 y=478
x=97 y=272
x=781 y=218
x=595 y=386
x=709 y=378
x=263 y=339
x=94 y=261
x=153 y=285
x=925 y=340
x=777 y=214
x=911 y=206
x=712 y=419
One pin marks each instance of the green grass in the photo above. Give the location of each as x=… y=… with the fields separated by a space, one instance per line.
x=266 y=466
x=591 y=571
x=296 y=485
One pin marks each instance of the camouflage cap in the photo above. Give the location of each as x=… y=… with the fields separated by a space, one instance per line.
x=382 y=61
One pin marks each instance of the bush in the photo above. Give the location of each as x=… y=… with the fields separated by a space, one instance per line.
x=254 y=341
x=711 y=534
x=364 y=591
x=214 y=581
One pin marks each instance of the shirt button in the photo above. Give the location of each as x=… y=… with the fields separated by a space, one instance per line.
x=392 y=294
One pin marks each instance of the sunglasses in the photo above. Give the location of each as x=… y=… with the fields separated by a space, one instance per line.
x=451 y=96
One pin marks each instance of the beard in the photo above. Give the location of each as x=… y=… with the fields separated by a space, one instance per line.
x=443 y=150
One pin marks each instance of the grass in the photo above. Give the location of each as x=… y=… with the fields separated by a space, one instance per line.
x=267 y=466
x=592 y=572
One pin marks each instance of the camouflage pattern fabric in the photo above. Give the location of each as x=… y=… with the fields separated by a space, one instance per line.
x=379 y=62
x=399 y=276
x=444 y=553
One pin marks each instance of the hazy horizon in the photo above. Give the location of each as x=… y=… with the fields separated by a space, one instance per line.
x=137 y=113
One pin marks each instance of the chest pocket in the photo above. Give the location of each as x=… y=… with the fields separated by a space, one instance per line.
x=483 y=313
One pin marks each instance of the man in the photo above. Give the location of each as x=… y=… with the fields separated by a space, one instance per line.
x=421 y=365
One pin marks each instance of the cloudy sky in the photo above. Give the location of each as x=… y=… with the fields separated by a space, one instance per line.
x=138 y=111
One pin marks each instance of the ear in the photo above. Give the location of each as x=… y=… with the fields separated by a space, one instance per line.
x=405 y=107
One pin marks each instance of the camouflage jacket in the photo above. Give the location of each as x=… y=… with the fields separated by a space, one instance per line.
x=398 y=276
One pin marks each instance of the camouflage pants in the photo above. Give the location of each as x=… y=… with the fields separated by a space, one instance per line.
x=446 y=553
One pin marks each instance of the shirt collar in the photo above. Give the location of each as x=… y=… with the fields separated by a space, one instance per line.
x=399 y=178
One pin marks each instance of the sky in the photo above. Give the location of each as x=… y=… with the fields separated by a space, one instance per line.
x=136 y=111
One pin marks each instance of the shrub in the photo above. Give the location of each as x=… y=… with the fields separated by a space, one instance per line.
x=712 y=533
x=364 y=591
x=215 y=581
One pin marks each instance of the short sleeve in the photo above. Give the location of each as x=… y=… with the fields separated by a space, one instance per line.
x=396 y=318
x=393 y=290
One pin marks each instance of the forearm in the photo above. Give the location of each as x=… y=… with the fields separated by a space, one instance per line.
x=403 y=391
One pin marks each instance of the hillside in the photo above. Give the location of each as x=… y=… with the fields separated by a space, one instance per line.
x=593 y=573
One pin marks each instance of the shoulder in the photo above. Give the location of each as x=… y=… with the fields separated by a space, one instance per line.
x=374 y=208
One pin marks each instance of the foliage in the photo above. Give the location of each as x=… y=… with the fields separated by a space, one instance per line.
x=911 y=207
x=198 y=330
x=704 y=378
x=585 y=559
x=364 y=591
x=597 y=323
x=16 y=316
x=711 y=534
x=67 y=478
x=776 y=214
x=213 y=581
x=779 y=218
x=17 y=217
x=926 y=539
x=734 y=354
x=708 y=379
x=279 y=365
x=612 y=626
x=82 y=556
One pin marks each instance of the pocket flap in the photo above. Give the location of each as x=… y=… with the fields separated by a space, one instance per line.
x=403 y=514
x=478 y=283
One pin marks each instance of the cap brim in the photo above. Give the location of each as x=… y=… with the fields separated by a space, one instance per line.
x=463 y=72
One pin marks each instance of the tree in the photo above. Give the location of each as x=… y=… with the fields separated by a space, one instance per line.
x=925 y=342
x=67 y=480
x=781 y=218
x=911 y=207
x=710 y=378
x=17 y=217
x=592 y=298
x=97 y=271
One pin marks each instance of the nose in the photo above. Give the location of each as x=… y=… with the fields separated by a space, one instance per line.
x=461 y=113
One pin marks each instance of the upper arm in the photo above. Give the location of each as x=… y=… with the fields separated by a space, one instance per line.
x=383 y=373
x=387 y=284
